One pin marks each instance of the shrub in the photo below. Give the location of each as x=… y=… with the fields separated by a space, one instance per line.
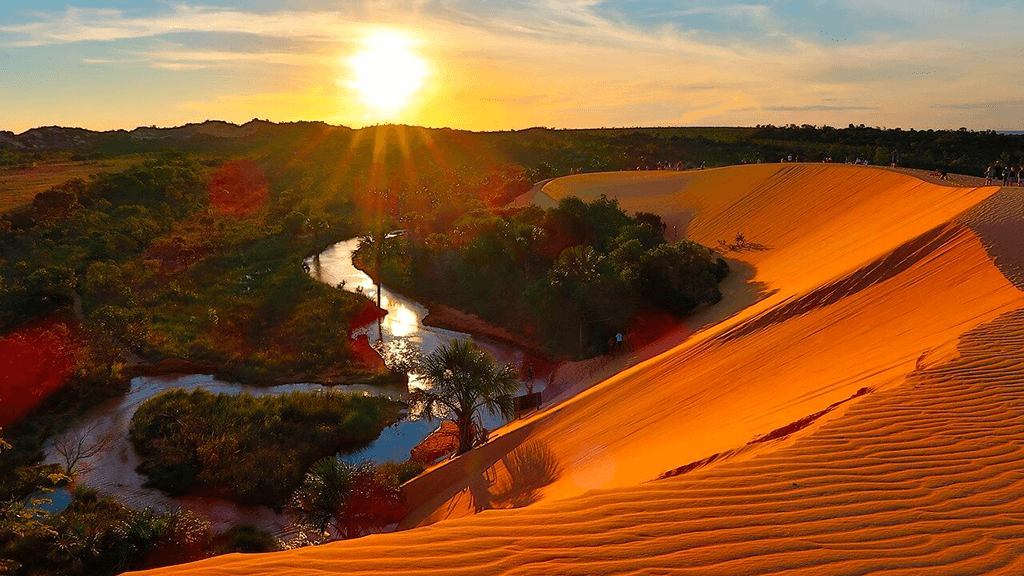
x=247 y=540
x=98 y=536
x=404 y=471
x=252 y=449
x=571 y=276
x=348 y=499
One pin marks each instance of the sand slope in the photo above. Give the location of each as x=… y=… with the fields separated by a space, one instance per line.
x=865 y=416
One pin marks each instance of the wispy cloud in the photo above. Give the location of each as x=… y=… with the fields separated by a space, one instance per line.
x=571 y=62
x=105 y=25
x=818 y=108
x=182 y=58
x=177 y=66
x=1017 y=103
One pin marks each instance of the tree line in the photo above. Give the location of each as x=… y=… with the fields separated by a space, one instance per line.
x=572 y=276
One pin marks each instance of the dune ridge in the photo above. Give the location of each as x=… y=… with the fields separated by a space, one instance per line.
x=895 y=317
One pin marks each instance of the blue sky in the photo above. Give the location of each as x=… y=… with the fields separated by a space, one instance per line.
x=493 y=65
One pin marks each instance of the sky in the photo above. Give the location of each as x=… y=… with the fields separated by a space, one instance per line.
x=508 y=64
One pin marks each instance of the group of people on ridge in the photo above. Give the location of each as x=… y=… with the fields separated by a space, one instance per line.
x=1008 y=175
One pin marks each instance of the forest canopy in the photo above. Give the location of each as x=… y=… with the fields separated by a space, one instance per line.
x=571 y=276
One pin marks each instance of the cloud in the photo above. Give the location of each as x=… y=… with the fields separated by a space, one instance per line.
x=177 y=66
x=105 y=25
x=574 y=22
x=567 y=63
x=816 y=108
x=736 y=102
x=1015 y=103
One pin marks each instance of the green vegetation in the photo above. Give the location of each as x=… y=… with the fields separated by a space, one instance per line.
x=347 y=500
x=571 y=277
x=379 y=157
x=246 y=539
x=204 y=252
x=93 y=535
x=404 y=471
x=168 y=265
x=19 y=185
x=254 y=450
x=463 y=380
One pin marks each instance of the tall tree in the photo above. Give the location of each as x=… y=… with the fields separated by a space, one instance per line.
x=461 y=380
x=381 y=246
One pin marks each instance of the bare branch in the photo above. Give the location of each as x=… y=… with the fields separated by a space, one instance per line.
x=75 y=446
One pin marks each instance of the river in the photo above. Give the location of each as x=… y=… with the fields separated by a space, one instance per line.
x=404 y=335
x=112 y=470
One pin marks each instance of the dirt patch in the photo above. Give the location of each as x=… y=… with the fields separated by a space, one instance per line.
x=448 y=318
x=439 y=444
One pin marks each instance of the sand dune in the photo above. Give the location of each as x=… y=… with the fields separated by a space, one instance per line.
x=865 y=415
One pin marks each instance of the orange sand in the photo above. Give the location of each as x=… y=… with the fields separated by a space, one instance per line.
x=866 y=279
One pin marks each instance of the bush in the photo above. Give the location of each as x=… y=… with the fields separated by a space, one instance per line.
x=252 y=449
x=680 y=276
x=98 y=536
x=247 y=540
x=404 y=471
x=346 y=499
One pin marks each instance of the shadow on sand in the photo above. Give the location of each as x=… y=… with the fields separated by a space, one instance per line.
x=516 y=479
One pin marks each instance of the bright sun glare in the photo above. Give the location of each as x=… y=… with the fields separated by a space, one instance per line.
x=387 y=73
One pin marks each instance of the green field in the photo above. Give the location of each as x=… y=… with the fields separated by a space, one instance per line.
x=19 y=185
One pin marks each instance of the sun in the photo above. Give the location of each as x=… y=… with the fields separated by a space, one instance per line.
x=387 y=72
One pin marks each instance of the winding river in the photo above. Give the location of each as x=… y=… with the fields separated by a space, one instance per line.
x=404 y=334
x=112 y=470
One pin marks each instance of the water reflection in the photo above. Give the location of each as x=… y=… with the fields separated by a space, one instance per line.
x=405 y=338
x=404 y=335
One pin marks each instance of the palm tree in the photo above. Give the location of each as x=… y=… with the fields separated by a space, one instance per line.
x=580 y=264
x=575 y=269
x=381 y=246
x=462 y=379
x=352 y=499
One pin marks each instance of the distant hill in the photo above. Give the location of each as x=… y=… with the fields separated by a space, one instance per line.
x=543 y=151
x=51 y=138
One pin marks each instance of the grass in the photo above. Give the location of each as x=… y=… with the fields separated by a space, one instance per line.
x=18 y=186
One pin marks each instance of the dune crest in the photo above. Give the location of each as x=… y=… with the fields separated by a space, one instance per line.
x=864 y=416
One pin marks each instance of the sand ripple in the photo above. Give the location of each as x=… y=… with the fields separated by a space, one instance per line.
x=864 y=417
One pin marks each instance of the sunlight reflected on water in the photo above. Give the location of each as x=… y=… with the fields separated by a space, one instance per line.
x=405 y=338
x=401 y=320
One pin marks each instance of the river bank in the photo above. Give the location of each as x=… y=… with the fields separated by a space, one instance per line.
x=113 y=469
x=406 y=335
x=341 y=376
